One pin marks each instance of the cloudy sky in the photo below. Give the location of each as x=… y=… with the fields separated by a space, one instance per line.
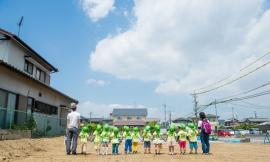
x=145 y=53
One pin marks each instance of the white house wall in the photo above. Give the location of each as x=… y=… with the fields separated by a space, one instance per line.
x=14 y=54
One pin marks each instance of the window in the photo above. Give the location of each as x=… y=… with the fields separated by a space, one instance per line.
x=119 y=118
x=45 y=108
x=129 y=118
x=40 y=75
x=30 y=106
x=139 y=118
x=28 y=67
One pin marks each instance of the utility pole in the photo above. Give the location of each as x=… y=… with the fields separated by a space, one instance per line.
x=255 y=114
x=170 y=117
x=233 y=115
x=90 y=115
x=216 y=116
x=195 y=105
x=165 y=114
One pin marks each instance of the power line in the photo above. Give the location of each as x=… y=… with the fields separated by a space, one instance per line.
x=255 y=61
x=226 y=78
x=245 y=106
x=234 y=80
x=248 y=91
x=252 y=104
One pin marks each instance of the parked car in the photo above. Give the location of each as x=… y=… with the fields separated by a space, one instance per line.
x=231 y=132
x=223 y=133
x=255 y=131
x=241 y=132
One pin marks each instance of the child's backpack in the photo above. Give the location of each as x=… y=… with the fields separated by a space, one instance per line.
x=206 y=127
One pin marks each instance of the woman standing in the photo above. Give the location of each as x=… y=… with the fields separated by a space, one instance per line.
x=205 y=130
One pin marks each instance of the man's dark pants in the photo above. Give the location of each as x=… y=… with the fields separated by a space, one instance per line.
x=72 y=137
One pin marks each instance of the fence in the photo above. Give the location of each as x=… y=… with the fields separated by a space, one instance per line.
x=40 y=124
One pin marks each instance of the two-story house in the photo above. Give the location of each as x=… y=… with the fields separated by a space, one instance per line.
x=129 y=117
x=25 y=87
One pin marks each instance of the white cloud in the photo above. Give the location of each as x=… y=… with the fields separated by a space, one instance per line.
x=97 y=9
x=183 y=44
x=97 y=82
x=104 y=110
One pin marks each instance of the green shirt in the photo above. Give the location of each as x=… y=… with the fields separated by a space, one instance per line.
x=84 y=136
x=147 y=136
x=115 y=138
x=192 y=135
x=135 y=137
x=97 y=137
x=157 y=135
x=171 y=134
x=127 y=135
x=182 y=135
x=105 y=136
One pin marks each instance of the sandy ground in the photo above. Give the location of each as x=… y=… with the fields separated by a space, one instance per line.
x=52 y=150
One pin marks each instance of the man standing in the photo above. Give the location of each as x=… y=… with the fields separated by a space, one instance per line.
x=73 y=125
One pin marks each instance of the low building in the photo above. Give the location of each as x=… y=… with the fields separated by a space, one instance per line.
x=97 y=120
x=254 y=121
x=25 y=89
x=150 y=120
x=185 y=121
x=129 y=116
x=230 y=123
x=264 y=127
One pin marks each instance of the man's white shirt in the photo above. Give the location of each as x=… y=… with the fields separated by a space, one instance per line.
x=73 y=118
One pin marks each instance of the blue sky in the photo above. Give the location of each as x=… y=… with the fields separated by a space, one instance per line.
x=151 y=53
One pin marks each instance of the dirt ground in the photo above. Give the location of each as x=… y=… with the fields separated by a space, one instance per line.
x=52 y=150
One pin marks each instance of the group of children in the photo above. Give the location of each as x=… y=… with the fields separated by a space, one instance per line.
x=104 y=135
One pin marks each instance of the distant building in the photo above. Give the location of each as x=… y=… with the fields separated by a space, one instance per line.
x=254 y=121
x=149 y=120
x=97 y=120
x=231 y=122
x=185 y=121
x=264 y=127
x=25 y=89
x=129 y=116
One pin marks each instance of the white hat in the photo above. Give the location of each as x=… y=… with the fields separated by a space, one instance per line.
x=73 y=105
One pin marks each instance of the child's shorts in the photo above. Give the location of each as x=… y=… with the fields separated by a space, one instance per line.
x=105 y=143
x=182 y=144
x=97 y=145
x=193 y=145
x=157 y=141
x=171 y=141
x=147 y=144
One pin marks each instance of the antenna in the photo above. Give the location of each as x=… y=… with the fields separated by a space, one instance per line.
x=20 y=24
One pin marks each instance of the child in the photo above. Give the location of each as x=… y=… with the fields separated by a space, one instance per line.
x=135 y=140
x=115 y=141
x=128 y=140
x=192 y=137
x=84 y=137
x=157 y=139
x=171 y=139
x=147 y=140
x=182 y=135
x=97 y=139
x=105 y=139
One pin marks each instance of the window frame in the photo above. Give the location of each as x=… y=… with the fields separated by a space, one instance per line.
x=27 y=65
